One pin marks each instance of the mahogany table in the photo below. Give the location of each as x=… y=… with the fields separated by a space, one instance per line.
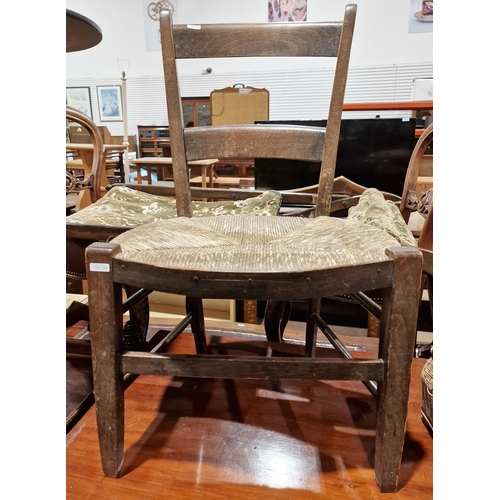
x=81 y=32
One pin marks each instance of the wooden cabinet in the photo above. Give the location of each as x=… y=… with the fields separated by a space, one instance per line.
x=150 y=140
x=153 y=141
x=196 y=111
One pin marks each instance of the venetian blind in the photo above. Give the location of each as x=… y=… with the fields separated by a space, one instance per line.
x=298 y=94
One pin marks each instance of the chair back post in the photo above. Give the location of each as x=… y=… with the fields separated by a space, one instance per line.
x=92 y=180
x=175 y=118
x=332 y=133
x=425 y=240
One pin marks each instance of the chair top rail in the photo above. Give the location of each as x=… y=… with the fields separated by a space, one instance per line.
x=257 y=40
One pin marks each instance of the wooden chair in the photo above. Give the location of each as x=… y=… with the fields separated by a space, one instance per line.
x=91 y=182
x=426 y=247
x=270 y=258
x=277 y=313
x=408 y=204
x=425 y=244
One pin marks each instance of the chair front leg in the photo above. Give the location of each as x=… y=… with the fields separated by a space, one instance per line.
x=106 y=335
x=397 y=339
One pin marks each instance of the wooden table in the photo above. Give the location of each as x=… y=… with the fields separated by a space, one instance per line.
x=226 y=182
x=86 y=153
x=242 y=164
x=81 y=32
x=207 y=166
x=210 y=439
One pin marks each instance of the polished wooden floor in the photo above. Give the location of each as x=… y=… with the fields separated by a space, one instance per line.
x=215 y=439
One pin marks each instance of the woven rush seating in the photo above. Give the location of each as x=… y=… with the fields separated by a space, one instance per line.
x=246 y=245
x=268 y=258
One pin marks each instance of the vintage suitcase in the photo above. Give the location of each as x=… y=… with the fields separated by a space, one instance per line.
x=239 y=104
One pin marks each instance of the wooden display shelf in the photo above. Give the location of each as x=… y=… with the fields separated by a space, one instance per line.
x=388 y=106
x=150 y=139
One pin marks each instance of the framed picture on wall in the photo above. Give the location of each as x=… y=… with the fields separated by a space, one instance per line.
x=79 y=98
x=110 y=103
x=285 y=11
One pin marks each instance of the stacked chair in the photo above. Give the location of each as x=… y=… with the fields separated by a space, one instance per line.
x=90 y=182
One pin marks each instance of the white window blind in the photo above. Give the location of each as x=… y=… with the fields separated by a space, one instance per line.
x=297 y=94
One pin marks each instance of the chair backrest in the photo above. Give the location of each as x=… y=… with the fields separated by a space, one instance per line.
x=329 y=39
x=91 y=181
x=409 y=201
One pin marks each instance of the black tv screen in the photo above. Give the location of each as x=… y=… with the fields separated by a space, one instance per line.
x=373 y=152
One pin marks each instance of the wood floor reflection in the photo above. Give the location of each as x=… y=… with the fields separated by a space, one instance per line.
x=214 y=439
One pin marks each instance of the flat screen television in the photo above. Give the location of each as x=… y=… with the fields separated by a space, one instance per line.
x=373 y=152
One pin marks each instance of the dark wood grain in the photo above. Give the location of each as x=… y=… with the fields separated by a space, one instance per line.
x=242 y=141
x=255 y=285
x=209 y=366
x=81 y=32
x=257 y=40
x=105 y=310
x=398 y=330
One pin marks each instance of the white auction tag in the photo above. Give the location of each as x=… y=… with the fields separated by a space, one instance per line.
x=99 y=267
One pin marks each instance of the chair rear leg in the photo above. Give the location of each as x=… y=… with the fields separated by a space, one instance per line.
x=195 y=307
x=136 y=328
x=313 y=307
x=106 y=325
x=397 y=340
x=276 y=317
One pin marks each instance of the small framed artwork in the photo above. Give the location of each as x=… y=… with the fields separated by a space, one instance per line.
x=79 y=98
x=110 y=103
x=285 y=11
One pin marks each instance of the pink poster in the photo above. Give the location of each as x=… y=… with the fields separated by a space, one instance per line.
x=283 y=11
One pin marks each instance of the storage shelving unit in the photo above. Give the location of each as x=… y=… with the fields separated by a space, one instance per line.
x=150 y=138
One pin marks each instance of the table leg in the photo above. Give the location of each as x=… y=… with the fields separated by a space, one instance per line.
x=160 y=172
x=204 y=179
x=211 y=175
x=204 y=176
x=138 y=176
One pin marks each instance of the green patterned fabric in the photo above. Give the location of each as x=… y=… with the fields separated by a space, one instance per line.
x=126 y=207
x=375 y=210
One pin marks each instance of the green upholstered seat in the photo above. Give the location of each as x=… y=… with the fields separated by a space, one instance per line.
x=126 y=207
